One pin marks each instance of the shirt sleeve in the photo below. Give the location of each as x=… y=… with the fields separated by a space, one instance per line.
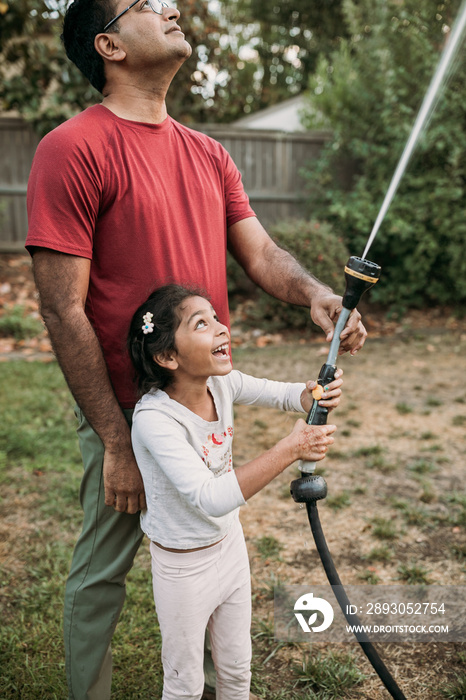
x=236 y=199
x=163 y=439
x=63 y=198
x=251 y=391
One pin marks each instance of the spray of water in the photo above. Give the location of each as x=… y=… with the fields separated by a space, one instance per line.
x=447 y=57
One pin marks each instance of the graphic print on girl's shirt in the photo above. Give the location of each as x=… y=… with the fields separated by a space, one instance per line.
x=217 y=452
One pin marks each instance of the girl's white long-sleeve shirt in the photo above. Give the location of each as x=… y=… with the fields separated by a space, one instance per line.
x=186 y=462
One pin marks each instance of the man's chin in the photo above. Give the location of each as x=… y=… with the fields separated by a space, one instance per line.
x=183 y=51
x=189 y=49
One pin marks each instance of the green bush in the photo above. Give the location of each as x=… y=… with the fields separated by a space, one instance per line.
x=318 y=250
x=369 y=94
x=14 y=323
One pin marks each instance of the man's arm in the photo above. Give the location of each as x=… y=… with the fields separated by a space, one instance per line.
x=62 y=281
x=279 y=274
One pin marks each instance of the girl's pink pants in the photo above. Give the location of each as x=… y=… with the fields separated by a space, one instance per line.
x=193 y=591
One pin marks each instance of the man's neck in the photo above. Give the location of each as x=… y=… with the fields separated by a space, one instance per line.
x=137 y=107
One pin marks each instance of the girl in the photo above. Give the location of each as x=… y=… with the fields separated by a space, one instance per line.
x=182 y=438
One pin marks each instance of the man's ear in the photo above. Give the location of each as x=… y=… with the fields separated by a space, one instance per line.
x=107 y=46
x=166 y=359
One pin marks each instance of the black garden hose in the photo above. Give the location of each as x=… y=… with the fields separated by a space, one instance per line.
x=344 y=603
x=360 y=275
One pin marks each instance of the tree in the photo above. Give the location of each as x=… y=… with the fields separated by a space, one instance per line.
x=247 y=55
x=369 y=94
x=284 y=39
x=37 y=80
x=212 y=85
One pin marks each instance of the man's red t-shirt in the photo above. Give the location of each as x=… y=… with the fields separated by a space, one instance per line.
x=147 y=204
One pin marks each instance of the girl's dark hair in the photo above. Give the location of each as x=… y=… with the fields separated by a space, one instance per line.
x=84 y=19
x=163 y=305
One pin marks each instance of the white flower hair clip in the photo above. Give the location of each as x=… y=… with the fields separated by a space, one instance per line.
x=147 y=327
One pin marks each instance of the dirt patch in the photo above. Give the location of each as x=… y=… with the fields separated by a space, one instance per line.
x=398 y=460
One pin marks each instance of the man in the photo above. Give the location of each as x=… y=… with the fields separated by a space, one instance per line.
x=122 y=199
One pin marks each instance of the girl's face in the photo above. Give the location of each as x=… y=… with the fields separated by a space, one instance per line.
x=202 y=342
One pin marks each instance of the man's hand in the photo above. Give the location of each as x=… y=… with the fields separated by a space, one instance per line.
x=325 y=310
x=124 y=488
x=281 y=276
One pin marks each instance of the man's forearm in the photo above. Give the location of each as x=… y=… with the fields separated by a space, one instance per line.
x=281 y=275
x=63 y=282
x=272 y=268
x=80 y=357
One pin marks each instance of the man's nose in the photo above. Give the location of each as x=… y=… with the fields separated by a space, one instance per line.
x=171 y=13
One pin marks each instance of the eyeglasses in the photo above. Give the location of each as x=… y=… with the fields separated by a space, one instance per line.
x=155 y=5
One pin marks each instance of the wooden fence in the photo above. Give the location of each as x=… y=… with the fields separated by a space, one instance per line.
x=269 y=161
x=17 y=147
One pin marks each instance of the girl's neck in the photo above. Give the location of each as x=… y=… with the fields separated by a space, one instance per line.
x=196 y=397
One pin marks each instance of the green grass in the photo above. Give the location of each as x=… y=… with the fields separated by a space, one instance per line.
x=262 y=425
x=375 y=458
x=434 y=402
x=456 y=689
x=428 y=494
x=268 y=547
x=382 y=553
x=403 y=408
x=380 y=463
x=369 y=577
x=423 y=466
x=458 y=551
x=368 y=451
x=40 y=467
x=428 y=435
x=456 y=502
x=339 y=500
x=383 y=529
x=412 y=514
x=353 y=423
x=327 y=677
x=413 y=574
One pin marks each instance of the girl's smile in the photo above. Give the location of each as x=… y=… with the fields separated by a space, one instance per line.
x=222 y=351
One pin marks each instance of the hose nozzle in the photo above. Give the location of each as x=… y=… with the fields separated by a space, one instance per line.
x=360 y=276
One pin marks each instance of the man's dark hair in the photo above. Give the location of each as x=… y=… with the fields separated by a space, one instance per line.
x=163 y=305
x=84 y=19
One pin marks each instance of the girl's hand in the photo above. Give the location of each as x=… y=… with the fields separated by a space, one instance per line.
x=331 y=396
x=311 y=442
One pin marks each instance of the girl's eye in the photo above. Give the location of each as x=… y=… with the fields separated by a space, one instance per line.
x=200 y=324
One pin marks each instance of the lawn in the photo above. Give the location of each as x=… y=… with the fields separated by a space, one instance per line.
x=396 y=513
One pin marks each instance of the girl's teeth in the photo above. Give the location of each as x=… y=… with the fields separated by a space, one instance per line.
x=222 y=349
